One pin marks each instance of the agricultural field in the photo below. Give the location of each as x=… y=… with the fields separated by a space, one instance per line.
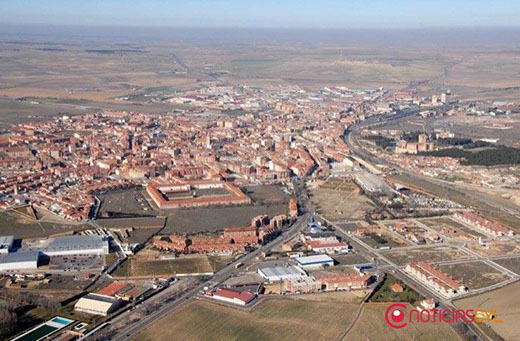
x=340 y=200
x=139 y=267
x=371 y=325
x=425 y=254
x=474 y=275
x=272 y=319
x=506 y=302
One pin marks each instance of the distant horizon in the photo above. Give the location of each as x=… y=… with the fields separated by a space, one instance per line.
x=266 y=13
x=398 y=37
x=291 y=28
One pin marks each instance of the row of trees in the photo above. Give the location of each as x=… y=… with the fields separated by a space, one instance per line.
x=499 y=155
x=12 y=301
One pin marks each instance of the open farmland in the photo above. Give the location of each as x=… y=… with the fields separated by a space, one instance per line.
x=273 y=319
x=371 y=325
x=340 y=200
x=474 y=275
x=426 y=254
x=138 y=267
x=506 y=302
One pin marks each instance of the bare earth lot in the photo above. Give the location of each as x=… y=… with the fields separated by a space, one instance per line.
x=474 y=275
x=340 y=200
x=497 y=248
x=512 y=264
x=433 y=254
x=439 y=223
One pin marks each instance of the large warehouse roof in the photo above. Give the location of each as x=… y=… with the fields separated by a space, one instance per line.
x=74 y=243
x=282 y=271
x=96 y=304
x=316 y=259
x=21 y=256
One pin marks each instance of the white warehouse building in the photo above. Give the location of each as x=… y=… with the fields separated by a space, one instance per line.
x=23 y=260
x=279 y=273
x=74 y=245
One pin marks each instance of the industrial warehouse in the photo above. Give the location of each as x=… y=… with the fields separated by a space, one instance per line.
x=29 y=258
x=97 y=304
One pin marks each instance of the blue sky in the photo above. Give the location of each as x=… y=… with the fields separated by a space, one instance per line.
x=266 y=13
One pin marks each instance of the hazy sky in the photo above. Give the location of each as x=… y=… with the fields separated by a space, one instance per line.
x=266 y=13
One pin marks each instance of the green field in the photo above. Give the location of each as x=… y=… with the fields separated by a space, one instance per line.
x=273 y=319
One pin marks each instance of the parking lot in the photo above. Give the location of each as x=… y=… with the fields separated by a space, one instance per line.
x=77 y=263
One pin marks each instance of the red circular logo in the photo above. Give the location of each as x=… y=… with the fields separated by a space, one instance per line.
x=395 y=315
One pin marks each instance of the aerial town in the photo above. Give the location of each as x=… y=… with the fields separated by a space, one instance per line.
x=293 y=148
x=270 y=170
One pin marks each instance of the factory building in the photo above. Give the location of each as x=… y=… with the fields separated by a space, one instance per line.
x=96 y=304
x=74 y=245
x=372 y=184
x=315 y=262
x=23 y=260
x=302 y=285
x=279 y=273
